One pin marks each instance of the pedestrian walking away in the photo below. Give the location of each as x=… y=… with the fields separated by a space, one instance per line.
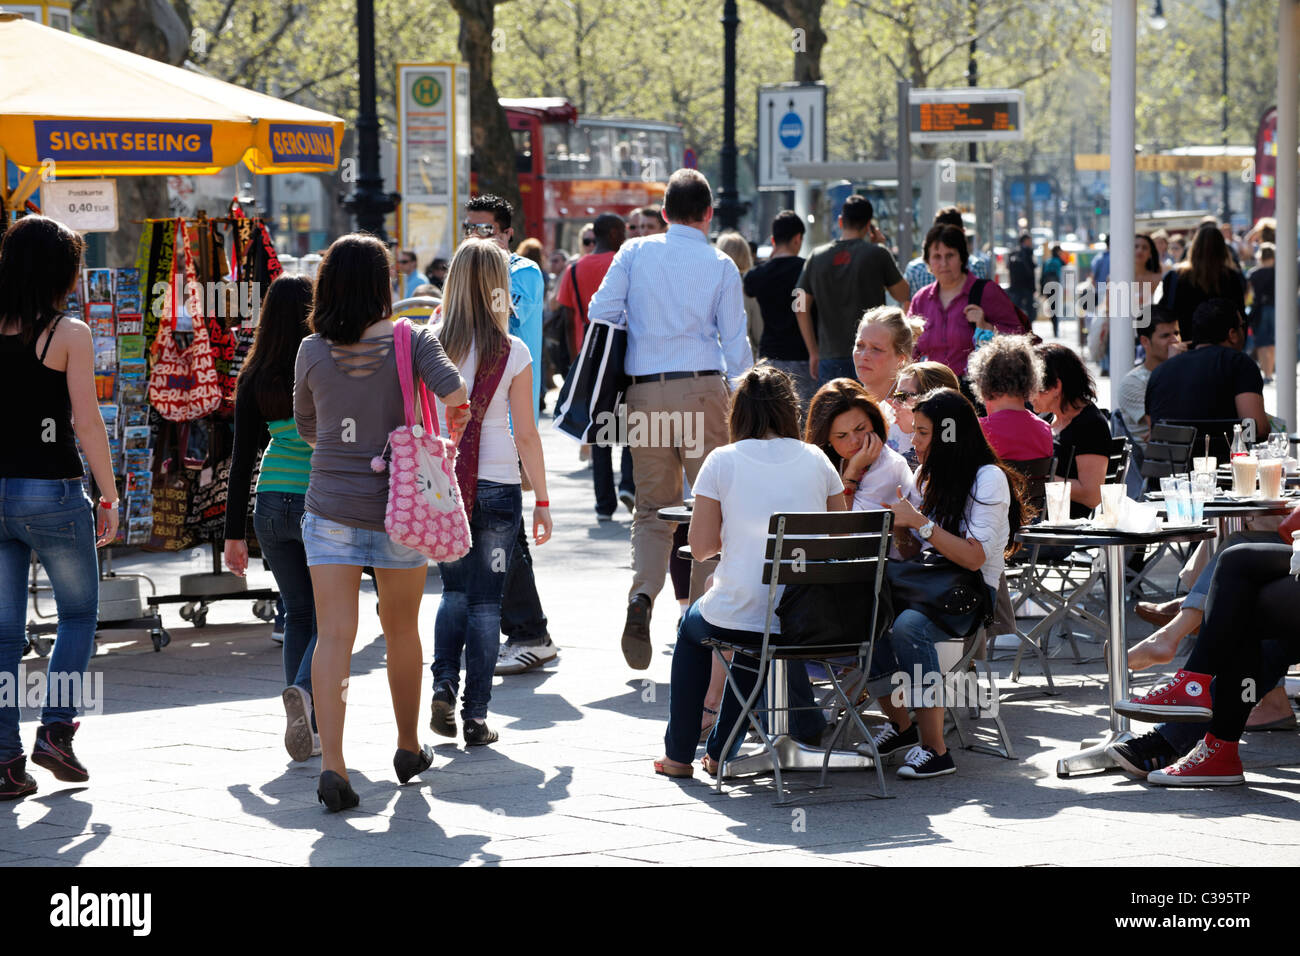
x=682 y=304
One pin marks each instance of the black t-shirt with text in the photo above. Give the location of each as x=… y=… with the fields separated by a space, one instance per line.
x=771 y=284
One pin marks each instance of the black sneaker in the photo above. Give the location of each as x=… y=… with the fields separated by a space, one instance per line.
x=53 y=751
x=1141 y=755
x=890 y=740
x=636 y=633
x=442 y=711
x=922 y=762
x=15 y=781
x=478 y=733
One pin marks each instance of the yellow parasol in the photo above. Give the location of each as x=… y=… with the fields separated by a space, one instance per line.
x=76 y=107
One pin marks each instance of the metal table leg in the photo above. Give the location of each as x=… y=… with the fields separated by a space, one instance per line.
x=791 y=754
x=1093 y=757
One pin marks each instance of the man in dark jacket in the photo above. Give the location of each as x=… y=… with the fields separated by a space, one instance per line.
x=1021 y=268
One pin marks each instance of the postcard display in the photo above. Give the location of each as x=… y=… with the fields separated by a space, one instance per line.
x=172 y=475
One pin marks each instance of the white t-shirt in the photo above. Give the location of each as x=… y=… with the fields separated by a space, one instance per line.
x=987 y=519
x=881 y=481
x=754 y=479
x=497 y=458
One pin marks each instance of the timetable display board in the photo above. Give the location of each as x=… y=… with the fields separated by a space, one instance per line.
x=966 y=115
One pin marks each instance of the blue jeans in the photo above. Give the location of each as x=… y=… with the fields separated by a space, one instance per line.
x=602 y=476
x=54 y=519
x=469 y=614
x=828 y=369
x=692 y=667
x=277 y=519
x=907 y=646
x=1200 y=589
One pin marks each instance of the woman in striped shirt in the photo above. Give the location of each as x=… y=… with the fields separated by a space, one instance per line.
x=264 y=413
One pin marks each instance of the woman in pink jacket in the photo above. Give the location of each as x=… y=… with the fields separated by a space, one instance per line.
x=951 y=321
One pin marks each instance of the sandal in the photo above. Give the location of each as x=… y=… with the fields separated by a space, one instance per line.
x=708 y=728
x=673 y=770
x=710 y=765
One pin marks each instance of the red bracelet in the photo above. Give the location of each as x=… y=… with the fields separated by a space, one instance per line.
x=542 y=504
x=107 y=505
x=466 y=405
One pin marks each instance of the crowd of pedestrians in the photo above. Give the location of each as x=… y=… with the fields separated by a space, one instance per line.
x=789 y=384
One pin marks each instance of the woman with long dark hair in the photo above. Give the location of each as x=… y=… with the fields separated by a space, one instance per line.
x=970 y=511
x=264 y=420
x=1208 y=272
x=47 y=391
x=346 y=401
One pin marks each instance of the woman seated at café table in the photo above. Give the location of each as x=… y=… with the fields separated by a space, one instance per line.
x=848 y=426
x=913 y=382
x=766 y=469
x=1252 y=601
x=1004 y=373
x=970 y=510
x=1082 y=441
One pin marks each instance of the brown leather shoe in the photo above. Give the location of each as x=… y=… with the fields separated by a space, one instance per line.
x=1157 y=614
x=636 y=633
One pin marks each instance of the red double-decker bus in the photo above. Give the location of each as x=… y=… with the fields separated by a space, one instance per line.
x=572 y=168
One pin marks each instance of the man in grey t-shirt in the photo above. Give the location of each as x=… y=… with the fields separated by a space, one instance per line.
x=845 y=278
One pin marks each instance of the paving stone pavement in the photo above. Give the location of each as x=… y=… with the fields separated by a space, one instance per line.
x=188 y=766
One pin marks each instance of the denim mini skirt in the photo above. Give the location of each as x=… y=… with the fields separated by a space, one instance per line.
x=328 y=542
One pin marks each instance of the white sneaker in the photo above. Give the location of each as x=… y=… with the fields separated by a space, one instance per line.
x=518 y=658
x=315 y=745
x=277 y=637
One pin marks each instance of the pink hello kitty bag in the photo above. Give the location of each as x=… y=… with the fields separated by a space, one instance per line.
x=425 y=511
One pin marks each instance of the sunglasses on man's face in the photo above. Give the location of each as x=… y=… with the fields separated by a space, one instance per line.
x=405 y=262
x=482 y=230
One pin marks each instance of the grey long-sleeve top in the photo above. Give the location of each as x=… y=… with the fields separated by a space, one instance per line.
x=348 y=418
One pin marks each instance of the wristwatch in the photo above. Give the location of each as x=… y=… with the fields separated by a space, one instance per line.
x=926 y=530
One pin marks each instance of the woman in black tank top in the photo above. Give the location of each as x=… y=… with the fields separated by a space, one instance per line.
x=47 y=391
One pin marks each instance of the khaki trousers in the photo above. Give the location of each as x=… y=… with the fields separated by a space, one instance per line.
x=672 y=426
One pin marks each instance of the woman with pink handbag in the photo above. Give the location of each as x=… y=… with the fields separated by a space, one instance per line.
x=347 y=400
x=498 y=369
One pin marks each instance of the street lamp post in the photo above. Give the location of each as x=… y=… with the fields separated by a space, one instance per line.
x=1223 y=46
x=729 y=205
x=368 y=202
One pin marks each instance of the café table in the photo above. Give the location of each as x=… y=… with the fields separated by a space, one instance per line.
x=1092 y=756
x=793 y=754
x=1229 y=515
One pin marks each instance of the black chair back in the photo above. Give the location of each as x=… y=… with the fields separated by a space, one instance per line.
x=1219 y=430
x=1117 y=461
x=827 y=547
x=1037 y=472
x=1168 y=450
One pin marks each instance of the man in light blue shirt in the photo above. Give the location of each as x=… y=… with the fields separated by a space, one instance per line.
x=682 y=303
x=528 y=643
x=412 y=277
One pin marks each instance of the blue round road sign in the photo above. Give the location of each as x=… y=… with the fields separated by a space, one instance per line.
x=791 y=130
x=688 y=159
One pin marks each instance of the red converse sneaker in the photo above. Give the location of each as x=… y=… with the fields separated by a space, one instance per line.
x=1212 y=763
x=1186 y=699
